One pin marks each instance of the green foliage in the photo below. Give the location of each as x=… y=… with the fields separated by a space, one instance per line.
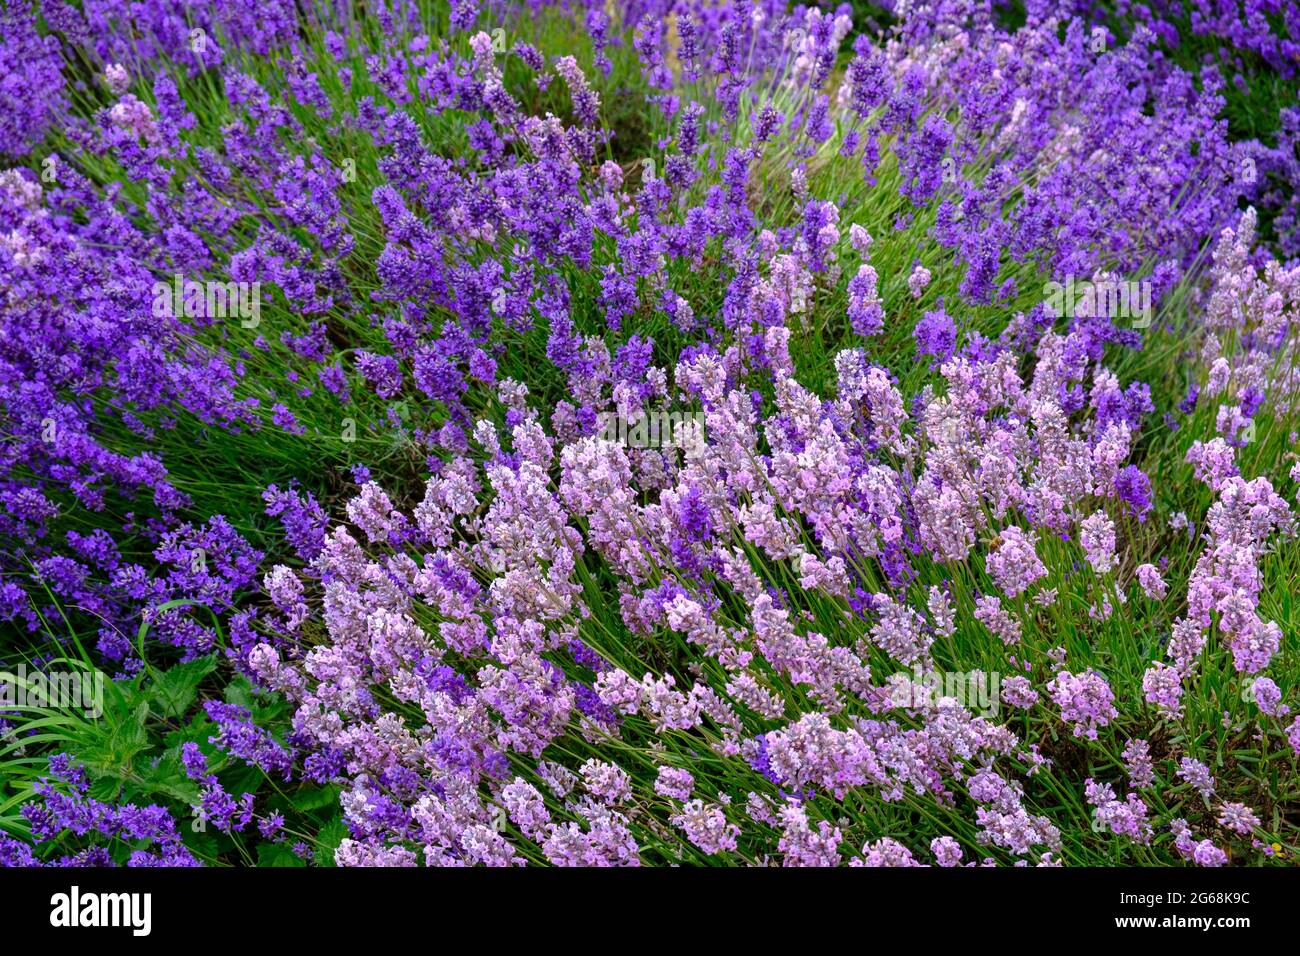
x=132 y=751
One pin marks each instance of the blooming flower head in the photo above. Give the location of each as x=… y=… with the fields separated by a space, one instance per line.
x=918 y=280
x=116 y=78
x=1238 y=817
x=1163 y=687
x=1085 y=701
x=1097 y=535
x=1153 y=585
x=1268 y=696
x=1198 y=775
x=1015 y=565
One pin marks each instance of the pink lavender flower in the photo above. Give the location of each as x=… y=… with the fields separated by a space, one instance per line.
x=557 y=777
x=526 y=808
x=586 y=102
x=802 y=844
x=706 y=826
x=1186 y=643
x=1212 y=462
x=885 y=852
x=946 y=850
x=1206 y=853
x=1084 y=700
x=1015 y=566
x=943 y=615
x=1126 y=817
x=116 y=78
x=918 y=280
x=1194 y=772
x=1163 y=687
x=1097 y=536
x=27 y=192
x=372 y=511
x=1019 y=692
x=1137 y=760
x=674 y=782
x=286 y=593
x=606 y=781
x=989 y=612
x=609 y=843
x=859 y=239
x=1268 y=697
x=134 y=117
x=1238 y=817
x=1253 y=643
x=1152 y=584
x=900 y=631
x=1202 y=853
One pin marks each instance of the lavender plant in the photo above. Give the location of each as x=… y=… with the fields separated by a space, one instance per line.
x=648 y=432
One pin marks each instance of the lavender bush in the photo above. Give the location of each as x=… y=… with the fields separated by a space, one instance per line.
x=649 y=432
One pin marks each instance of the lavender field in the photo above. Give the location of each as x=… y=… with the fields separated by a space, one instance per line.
x=649 y=432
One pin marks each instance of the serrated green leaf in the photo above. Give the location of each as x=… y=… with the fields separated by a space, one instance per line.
x=314 y=798
x=197 y=731
x=109 y=746
x=174 y=690
x=167 y=777
x=277 y=854
x=328 y=840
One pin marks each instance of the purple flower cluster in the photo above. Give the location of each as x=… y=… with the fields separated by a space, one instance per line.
x=64 y=810
x=514 y=637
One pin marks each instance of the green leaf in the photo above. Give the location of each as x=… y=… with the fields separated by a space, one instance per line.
x=197 y=731
x=265 y=708
x=314 y=798
x=168 y=777
x=240 y=691
x=240 y=778
x=277 y=854
x=328 y=840
x=108 y=747
x=174 y=690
